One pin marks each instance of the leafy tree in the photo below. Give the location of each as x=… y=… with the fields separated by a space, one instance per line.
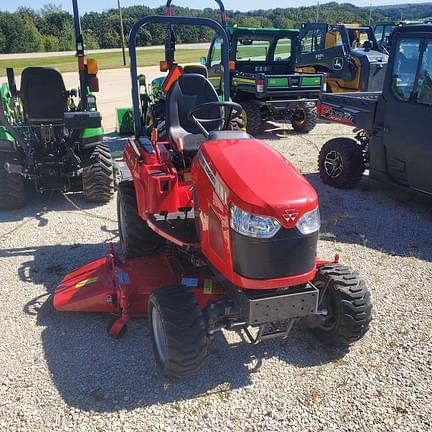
x=51 y=28
x=21 y=34
x=51 y=43
x=50 y=8
x=90 y=40
x=2 y=41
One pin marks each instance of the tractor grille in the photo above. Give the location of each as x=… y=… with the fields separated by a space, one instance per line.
x=288 y=253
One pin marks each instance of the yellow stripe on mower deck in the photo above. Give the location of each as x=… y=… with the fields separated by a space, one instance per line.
x=86 y=282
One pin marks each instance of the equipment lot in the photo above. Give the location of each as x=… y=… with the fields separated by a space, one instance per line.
x=62 y=372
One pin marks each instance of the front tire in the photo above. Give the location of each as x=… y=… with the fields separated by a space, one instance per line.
x=178 y=332
x=136 y=238
x=341 y=163
x=346 y=298
x=253 y=118
x=304 y=118
x=12 y=192
x=98 y=178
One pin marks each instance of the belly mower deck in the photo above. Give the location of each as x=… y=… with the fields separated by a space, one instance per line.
x=123 y=288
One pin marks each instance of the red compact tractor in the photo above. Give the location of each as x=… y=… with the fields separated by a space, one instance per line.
x=217 y=231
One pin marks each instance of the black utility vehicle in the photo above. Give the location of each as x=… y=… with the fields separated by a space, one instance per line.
x=393 y=126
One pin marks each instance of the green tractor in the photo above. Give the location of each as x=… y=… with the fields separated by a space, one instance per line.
x=52 y=137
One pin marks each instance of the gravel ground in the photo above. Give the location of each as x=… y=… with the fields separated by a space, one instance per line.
x=59 y=371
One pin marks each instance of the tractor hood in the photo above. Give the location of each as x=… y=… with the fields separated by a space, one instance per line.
x=371 y=55
x=260 y=180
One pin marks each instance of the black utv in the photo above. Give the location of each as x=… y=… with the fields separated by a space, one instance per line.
x=393 y=126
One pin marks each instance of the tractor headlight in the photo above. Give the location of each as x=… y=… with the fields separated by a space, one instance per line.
x=253 y=225
x=309 y=222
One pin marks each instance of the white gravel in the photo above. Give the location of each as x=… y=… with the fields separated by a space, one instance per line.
x=60 y=371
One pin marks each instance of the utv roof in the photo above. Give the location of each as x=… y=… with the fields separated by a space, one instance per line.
x=397 y=23
x=415 y=28
x=235 y=28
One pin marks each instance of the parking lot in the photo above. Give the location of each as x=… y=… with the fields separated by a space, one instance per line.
x=60 y=371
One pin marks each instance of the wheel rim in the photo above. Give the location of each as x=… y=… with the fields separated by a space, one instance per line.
x=300 y=116
x=159 y=334
x=333 y=164
x=330 y=322
x=327 y=303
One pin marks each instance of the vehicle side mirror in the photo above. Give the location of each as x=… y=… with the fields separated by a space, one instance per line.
x=203 y=60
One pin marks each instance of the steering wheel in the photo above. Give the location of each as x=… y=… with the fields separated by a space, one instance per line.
x=231 y=111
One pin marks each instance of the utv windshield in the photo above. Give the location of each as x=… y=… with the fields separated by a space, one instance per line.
x=268 y=48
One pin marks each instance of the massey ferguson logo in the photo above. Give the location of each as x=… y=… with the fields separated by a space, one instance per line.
x=290 y=215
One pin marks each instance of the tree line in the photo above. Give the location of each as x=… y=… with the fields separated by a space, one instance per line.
x=51 y=28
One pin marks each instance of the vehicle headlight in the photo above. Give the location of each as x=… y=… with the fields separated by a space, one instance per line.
x=309 y=222
x=253 y=225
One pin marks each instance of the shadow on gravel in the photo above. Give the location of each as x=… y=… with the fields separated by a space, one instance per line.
x=279 y=131
x=38 y=204
x=47 y=265
x=93 y=372
x=378 y=216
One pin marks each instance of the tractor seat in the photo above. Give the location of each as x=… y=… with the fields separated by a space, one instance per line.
x=43 y=95
x=189 y=91
x=196 y=69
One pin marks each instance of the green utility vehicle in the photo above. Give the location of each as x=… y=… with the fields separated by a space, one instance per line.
x=263 y=77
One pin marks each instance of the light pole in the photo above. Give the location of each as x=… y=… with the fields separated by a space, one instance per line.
x=122 y=32
x=317 y=12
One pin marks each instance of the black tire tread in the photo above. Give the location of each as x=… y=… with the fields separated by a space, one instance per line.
x=253 y=117
x=352 y=156
x=309 y=122
x=98 y=178
x=12 y=191
x=355 y=307
x=185 y=331
x=140 y=239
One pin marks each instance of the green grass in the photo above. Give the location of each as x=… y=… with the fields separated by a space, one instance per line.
x=108 y=60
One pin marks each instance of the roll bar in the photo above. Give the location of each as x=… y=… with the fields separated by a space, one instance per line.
x=224 y=14
x=170 y=20
x=79 y=44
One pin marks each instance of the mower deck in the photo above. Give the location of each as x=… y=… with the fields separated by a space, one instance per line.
x=123 y=288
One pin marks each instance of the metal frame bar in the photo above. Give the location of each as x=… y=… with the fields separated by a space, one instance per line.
x=80 y=53
x=224 y=14
x=154 y=19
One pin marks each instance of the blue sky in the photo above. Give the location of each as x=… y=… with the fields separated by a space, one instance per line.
x=88 y=5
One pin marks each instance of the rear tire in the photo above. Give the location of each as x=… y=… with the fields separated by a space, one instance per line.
x=136 y=238
x=12 y=192
x=178 y=332
x=304 y=118
x=347 y=300
x=253 y=117
x=341 y=163
x=98 y=178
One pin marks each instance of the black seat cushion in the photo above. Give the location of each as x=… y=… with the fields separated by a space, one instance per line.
x=43 y=95
x=188 y=92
